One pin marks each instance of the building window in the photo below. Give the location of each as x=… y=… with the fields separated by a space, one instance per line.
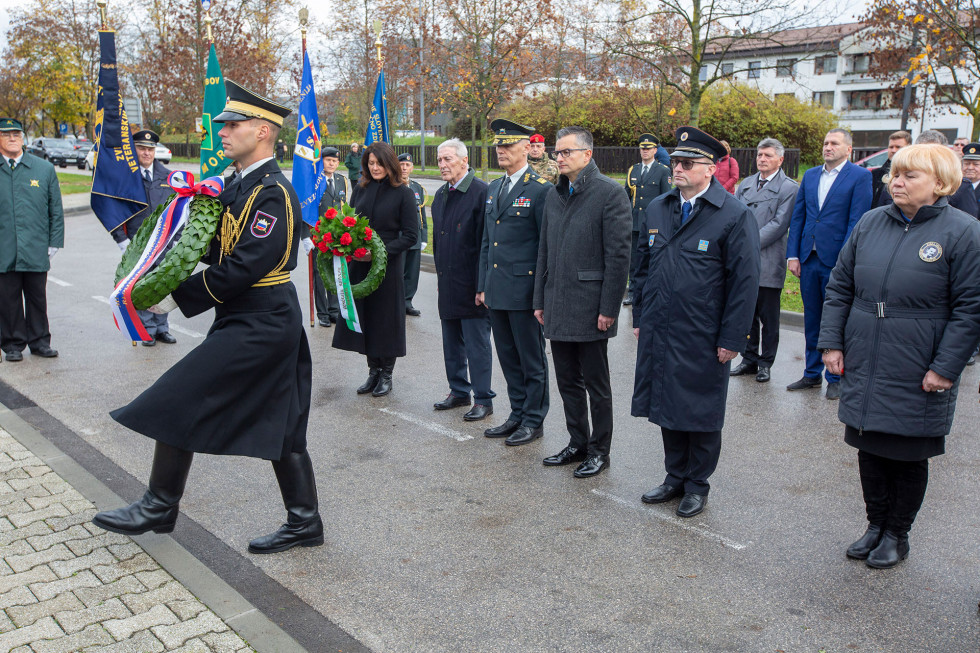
x=860 y=63
x=727 y=69
x=824 y=98
x=785 y=67
x=703 y=73
x=755 y=69
x=944 y=94
x=859 y=100
x=825 y=65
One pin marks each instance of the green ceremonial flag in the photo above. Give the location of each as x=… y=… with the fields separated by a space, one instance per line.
x=213 y=159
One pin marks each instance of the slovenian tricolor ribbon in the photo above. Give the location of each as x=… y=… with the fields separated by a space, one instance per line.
x=344 y=295
x=166 y=231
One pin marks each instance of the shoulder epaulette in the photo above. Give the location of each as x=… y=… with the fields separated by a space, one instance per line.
x=269 y=180
x=541 y=180
x=662 y=166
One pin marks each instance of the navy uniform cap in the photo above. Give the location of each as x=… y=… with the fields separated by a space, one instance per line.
x=243 y=104
x=405 y=156
x=692 y=143
x=145 y=138
x=508 y=132
x=10 y=125
x=330 y=151
x=647 y=141
x=971 y=152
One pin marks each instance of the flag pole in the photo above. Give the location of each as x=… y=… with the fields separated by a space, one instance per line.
x=304 y=17
x=377 y=44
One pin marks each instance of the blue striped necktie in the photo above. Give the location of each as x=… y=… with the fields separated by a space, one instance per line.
x=685 y=212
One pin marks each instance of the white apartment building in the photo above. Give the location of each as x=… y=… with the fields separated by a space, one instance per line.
x=829 y=65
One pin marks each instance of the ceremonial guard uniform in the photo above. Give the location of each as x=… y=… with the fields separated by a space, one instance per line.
x=334 y=194
x=245 y=390
x=508 y=260
x=413 y=257
x=644 y=181
x=544 y=166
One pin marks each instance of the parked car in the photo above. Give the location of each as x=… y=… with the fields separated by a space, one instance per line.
x=163 y=153
x=58 y=151
x=875 y=160
x=83 y=148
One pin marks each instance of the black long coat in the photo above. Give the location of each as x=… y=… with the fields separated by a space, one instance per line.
x=245 y=390
x=393 y=215
x=695 y=290
x=457 y=233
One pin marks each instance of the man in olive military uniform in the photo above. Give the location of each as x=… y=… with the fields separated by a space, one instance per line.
x=336 y=191
x=644 y=181
x=245 y=390
x=155 y=182
x=32 y=230
x=508 y=259
x=542 y=164
x=413 y=257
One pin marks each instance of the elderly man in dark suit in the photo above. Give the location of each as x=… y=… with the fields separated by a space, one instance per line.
x=508 y=258
x=583 y=262
x=458 y=210
x=770 y=195
x=830 y=201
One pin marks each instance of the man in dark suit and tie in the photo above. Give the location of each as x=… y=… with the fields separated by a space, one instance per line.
x=831 y=199
x=336 y=191
x=644 y=181
x=508 y=259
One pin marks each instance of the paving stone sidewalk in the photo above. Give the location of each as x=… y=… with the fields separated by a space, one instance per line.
x=67 y=585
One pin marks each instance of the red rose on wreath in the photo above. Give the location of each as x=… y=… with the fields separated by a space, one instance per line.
x=322 y=246
x=349 y=259
x=331 y=213
x=337 y=252
x=350 y=221
x=368 y=234
x=346 y=239
x=328 y=237
x=360 y=252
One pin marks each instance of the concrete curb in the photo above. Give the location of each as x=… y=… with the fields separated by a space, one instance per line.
x=230 y=606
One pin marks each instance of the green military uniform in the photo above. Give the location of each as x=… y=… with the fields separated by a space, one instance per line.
x=31 y=224
x=642 y=188
x=544 y=167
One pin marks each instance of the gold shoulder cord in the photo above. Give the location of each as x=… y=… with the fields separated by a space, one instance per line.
x=277 y=276
x=232 y=227
x=630 y=185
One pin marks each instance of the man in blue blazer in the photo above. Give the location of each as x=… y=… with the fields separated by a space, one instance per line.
x=831 y=199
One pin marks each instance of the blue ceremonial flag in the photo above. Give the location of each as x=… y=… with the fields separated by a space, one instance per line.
x=307 y=166
x=117 y=189
x=378 y=122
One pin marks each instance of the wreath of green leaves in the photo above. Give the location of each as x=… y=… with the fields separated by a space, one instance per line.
x=179 y=262
x=370 y=283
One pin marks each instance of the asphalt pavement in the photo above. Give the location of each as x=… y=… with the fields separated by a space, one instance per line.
x=439 y=539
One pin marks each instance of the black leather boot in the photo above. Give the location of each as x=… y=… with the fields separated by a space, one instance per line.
x=374 y=372
x=384 y=380
x=875 y=485
x=859 y=550
x=303 y=526
x=890 y=551
x=157 y=510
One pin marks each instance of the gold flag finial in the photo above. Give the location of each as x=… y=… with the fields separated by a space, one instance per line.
x=304 y=19
x=377 y=43
x=102 y=4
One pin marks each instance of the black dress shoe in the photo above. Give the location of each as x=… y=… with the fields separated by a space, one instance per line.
x=44 y=352
x=662 y=494
x=565 y=456
x=414 y=312
x=523 y=435
x=591 y=466
x=149 y=343
x=478 y=412
x=833 y=391
x=859 y=550
x=891 y=550
x=451 y=401
x=806 y=383
x=744 y=368
x=628 y=301
x=692 y=504
x=325 y=322
x=166 y=338
x=14 y=356
x=763 y=375
x=503 y=430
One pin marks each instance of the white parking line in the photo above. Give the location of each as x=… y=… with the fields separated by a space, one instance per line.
x=186 y=332
x=676 y=521
x=100 y=298
x=56 y=280
x=437 y=428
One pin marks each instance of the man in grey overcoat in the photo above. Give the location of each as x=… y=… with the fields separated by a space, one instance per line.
x=770 y=195
x=583 y=262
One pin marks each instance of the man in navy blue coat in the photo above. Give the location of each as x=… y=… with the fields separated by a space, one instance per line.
x=831 y=199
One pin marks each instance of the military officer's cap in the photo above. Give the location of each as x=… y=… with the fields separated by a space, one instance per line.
x=507 y=132
x=243 y=104
x=145 y=138
x=537 y=138
x=330 y=151
x=971 y=152
x=647 y=141
x=692 y=143
x=10 y=125
x=405 y=156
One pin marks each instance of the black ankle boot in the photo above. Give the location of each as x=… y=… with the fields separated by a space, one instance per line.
x=859 y=550
x=384 y=380
x=157 y=510
x=303 y=526
x=373 y=375
x=892 y=549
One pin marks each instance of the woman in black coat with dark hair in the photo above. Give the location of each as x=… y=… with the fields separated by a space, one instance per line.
x=389 y=205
